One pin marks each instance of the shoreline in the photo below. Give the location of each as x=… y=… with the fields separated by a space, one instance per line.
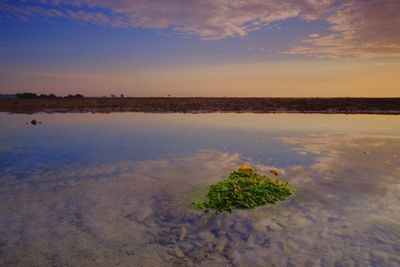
x=377 y=106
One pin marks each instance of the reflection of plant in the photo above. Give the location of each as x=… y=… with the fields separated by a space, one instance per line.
x=243 y=190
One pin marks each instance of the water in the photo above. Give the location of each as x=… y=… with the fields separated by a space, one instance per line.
x=115 y=190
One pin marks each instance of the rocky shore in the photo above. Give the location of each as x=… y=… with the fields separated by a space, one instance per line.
x=205 y=105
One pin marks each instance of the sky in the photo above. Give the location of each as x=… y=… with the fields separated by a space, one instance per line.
x=262 y=48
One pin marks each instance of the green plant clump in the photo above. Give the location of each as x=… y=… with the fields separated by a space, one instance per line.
x=243 y=190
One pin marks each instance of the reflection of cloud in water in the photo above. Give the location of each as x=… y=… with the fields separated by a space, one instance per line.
x=139 y=212
x=103 y=213
x=353 y=163
x=355 y=185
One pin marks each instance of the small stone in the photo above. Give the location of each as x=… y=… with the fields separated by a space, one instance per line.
x=221 y=245
x=34 y=122
x=145 y=213
x=206 y=237
x=274 y=172
x=179 y=253
x=183 y=233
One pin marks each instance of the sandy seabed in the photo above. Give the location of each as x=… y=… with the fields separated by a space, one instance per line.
x=345 y=211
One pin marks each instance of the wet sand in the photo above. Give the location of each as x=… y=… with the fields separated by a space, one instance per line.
x=205 y=105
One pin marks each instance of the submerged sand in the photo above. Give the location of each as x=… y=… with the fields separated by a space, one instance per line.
x=345 y=211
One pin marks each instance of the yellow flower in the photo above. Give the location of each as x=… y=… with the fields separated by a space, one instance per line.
x=246 y=168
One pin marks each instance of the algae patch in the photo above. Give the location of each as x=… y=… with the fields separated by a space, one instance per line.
x=243 y=189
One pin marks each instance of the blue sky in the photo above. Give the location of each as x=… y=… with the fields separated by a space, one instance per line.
x=69 y=45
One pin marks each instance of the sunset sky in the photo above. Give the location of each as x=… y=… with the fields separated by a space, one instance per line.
x=201 y=47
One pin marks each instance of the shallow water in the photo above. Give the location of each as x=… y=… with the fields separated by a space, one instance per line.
x=115 y=190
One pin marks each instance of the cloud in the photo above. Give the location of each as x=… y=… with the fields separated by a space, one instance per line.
x=357 y=29
x=205 y=18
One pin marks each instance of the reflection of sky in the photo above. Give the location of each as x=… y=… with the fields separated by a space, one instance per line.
x=83 y=188
x=86 y=138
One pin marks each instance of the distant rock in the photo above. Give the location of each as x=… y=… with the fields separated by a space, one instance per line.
x=35 y=122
